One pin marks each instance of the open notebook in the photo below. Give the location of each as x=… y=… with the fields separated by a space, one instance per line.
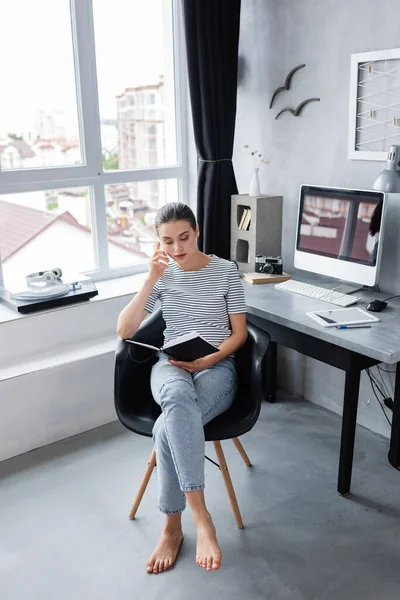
x=186 y=347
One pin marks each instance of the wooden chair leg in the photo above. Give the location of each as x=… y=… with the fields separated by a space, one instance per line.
x=143 y=485
x=228 y=483
x=241 y=451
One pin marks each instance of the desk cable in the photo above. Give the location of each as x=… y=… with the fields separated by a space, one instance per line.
x=385 y=387
x=391 y=298
x=374 y=384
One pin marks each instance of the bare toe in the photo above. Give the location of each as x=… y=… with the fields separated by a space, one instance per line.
x=166 y=552
x=208 y=550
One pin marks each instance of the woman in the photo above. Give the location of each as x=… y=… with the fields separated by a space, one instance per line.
x=374 y=231
x=198 y=293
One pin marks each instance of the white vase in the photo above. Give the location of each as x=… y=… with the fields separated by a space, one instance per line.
x=255 y=183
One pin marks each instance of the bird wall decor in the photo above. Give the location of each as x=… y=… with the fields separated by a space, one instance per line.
x=286 y=85
x=296 y=111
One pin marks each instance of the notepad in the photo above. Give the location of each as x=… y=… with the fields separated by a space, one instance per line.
x=187 y=347
x=342 y=316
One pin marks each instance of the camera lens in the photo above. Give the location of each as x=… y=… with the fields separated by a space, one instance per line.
x=268 y=268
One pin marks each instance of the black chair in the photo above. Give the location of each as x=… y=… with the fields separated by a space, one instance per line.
x=137 y=410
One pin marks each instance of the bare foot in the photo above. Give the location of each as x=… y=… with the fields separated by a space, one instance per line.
x=208 y=553
x=165 y=552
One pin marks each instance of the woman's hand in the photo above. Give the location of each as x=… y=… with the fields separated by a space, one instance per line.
x=200 y=364
x=158 y=263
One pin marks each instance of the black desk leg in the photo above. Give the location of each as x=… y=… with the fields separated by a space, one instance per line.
x=273 y=367
x=394 y=452
x=350 y=405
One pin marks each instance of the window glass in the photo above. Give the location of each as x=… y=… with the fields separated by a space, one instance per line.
x=38 y=101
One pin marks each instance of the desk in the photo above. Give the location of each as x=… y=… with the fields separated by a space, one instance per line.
x=283 y=315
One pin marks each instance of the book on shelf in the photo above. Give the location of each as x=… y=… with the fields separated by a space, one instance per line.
x=244 y=214
x=187 y=347
x=247 y=221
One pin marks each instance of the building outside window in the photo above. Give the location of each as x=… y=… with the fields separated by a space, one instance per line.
x=89 y=156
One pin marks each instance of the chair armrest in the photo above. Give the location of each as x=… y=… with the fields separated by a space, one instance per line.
x=260 y=341
x=133 y=364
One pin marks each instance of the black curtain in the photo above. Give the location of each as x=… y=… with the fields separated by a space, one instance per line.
x=212 y=40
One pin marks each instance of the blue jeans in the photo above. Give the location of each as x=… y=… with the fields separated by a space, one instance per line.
x=188 y=401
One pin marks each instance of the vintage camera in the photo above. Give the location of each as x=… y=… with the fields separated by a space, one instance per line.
x=269 y=264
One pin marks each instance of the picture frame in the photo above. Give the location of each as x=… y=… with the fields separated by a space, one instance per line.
x=374 y=105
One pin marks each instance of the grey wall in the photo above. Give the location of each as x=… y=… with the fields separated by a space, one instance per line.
x=277 y=35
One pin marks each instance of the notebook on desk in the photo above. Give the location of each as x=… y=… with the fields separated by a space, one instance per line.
x=341 y=316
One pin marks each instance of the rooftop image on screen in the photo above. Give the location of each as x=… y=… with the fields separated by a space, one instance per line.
x=338 y=228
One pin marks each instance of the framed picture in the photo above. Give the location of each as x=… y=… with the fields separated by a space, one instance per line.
x=374 y=110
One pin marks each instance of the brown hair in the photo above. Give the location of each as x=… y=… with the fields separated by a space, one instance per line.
x=175 y=211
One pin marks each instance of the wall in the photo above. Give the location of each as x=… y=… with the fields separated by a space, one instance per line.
x=277 y=35
x=56 y=370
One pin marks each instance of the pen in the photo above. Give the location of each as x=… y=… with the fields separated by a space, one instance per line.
x=353 y=326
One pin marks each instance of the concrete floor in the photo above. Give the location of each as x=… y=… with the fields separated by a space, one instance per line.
x=64 y=532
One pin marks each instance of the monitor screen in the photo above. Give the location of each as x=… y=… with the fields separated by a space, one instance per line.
x=340 y=224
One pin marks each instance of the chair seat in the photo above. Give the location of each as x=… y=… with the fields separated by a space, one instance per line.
x=138 y=424
x=232 y=423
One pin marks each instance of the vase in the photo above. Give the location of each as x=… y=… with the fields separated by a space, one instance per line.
x=255 y=184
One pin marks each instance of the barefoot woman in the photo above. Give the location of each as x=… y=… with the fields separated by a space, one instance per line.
x=198 y=293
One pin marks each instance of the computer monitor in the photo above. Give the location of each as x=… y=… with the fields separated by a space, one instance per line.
x=340 y=233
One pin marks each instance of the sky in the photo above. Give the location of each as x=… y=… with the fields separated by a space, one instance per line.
x=37 y=67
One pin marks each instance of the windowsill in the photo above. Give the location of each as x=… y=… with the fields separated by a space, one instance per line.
x=112 y=288
x=52 y=360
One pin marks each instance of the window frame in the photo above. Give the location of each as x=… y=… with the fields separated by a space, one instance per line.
x=91 y=173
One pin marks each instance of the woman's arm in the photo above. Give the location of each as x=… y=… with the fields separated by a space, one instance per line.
x=228 y=347
x=133 y=314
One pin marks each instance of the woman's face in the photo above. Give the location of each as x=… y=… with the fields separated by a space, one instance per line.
x=179 y=240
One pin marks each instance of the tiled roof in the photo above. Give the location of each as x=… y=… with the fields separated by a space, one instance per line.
x=20 y=224
x=25 y=151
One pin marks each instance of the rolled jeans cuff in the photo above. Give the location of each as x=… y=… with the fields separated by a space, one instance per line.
x=171 y=512
x=193 y=488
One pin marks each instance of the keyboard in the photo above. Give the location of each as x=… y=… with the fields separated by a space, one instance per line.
x=319 y=293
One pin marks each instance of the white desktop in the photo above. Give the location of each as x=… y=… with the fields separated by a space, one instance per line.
x=339 y=234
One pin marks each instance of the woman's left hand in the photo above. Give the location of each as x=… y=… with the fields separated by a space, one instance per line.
x=200 y=364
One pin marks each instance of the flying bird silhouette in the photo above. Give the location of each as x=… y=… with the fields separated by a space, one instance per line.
x=295 y=112
x=286 y=85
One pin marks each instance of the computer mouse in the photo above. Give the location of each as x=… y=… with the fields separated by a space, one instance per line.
x=376 y=305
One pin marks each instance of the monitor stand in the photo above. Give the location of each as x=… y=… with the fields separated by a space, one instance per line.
x=343 y=287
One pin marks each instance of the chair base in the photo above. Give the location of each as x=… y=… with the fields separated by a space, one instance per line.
x=228 y=484
x=143 y=485
x=225 y=474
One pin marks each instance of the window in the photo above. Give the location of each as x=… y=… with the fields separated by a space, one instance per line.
x=43 y=227
x=134 y=53
x=131 y=209
x=82 y=170
x=152 y=143
x=39 y=109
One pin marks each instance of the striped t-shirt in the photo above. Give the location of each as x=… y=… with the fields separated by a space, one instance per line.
x=199 y=300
